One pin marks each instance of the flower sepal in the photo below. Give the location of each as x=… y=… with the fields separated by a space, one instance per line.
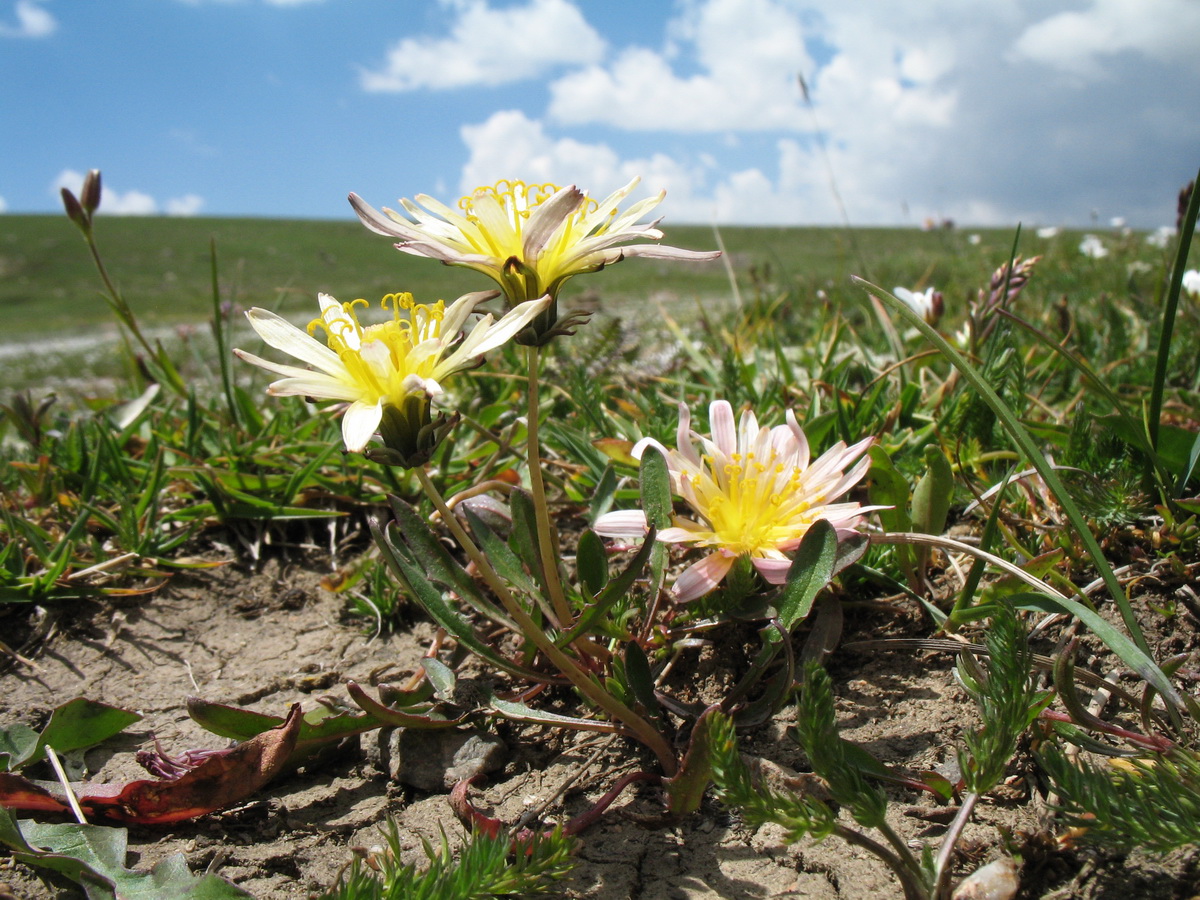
x=410 y=434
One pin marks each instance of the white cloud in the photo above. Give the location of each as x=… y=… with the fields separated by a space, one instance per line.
x=187 y=205
x=1081 y=42
x=32 y=21
x=3 y=205
x=489 y=47
x=510 y=145
x=945 y=109
x=127 y=203
x=749 y=53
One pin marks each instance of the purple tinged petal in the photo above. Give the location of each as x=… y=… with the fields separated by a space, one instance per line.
x=547 y=218
x=773 y=571
x=724 y=434
x=630 y=523
x=702 y=577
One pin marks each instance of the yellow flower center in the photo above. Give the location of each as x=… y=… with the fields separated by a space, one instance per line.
x=380 y=357
x=751 y=506
x=518 y=200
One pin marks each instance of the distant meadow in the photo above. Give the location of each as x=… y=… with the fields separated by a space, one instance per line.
x=60 y=333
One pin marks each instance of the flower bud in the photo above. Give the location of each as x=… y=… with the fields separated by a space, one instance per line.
x=90 y=195
x=75 y=211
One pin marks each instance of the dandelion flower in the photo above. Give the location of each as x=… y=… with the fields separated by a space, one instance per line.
x=394 y=367
x=528 y=238
x=755 y=492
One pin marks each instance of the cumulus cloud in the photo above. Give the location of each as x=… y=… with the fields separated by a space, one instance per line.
x=948 y=110
x=748 y=53
x=1082 y=41
x=187 y=205
x=489 y=47
x=33 y=21
x=511 y=145
x=127 y=203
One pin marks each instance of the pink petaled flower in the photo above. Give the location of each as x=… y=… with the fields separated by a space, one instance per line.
x=755 y=493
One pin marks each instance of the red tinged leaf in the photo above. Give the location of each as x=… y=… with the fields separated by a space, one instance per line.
x=222 y=779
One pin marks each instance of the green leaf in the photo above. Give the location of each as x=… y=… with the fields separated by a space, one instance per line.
x=18 y=742
x=81 y=723
x=74 y=725
x=318 y=727
x=890 y=489
x=655 y=487
x=439 y=609
x=809 y=573
x=591 y=560
x=639 y=677
x=94 y=857
x=686 y=789
x=932 y=495
x=520 y=712
x=524 y=533
x=1119 y=643
x=441 y=676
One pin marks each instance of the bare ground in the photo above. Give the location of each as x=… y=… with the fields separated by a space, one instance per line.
x=269 y=638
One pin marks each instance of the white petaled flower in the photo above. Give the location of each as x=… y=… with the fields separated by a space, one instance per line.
x=1161 y=237
x=384 y=364
x=528 y=238
x=1191 y=283
x=1049 y=231
x=1093 y=247
x=755 y=492
x=928 y=304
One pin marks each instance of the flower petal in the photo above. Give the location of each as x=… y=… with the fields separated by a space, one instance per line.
x=281 y=334
x=359 y=423
x=703 y=577
x=630 y=523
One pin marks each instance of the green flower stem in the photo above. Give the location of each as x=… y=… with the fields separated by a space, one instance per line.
x=546 y=538
x=637 y=726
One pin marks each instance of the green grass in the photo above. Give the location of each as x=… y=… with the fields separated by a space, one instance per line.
x=49 y=289
x=162 y=265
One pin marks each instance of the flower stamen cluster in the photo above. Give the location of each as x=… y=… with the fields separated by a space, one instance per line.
x=755 y=492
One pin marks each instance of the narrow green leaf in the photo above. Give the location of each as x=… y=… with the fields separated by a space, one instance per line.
x=1021 y=437
x=445 y=615
x=1114 y=639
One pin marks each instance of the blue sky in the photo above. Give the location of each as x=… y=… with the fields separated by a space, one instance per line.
x=1048 y=112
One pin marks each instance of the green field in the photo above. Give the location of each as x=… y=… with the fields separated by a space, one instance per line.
x=163 y=266
x=50 y=291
